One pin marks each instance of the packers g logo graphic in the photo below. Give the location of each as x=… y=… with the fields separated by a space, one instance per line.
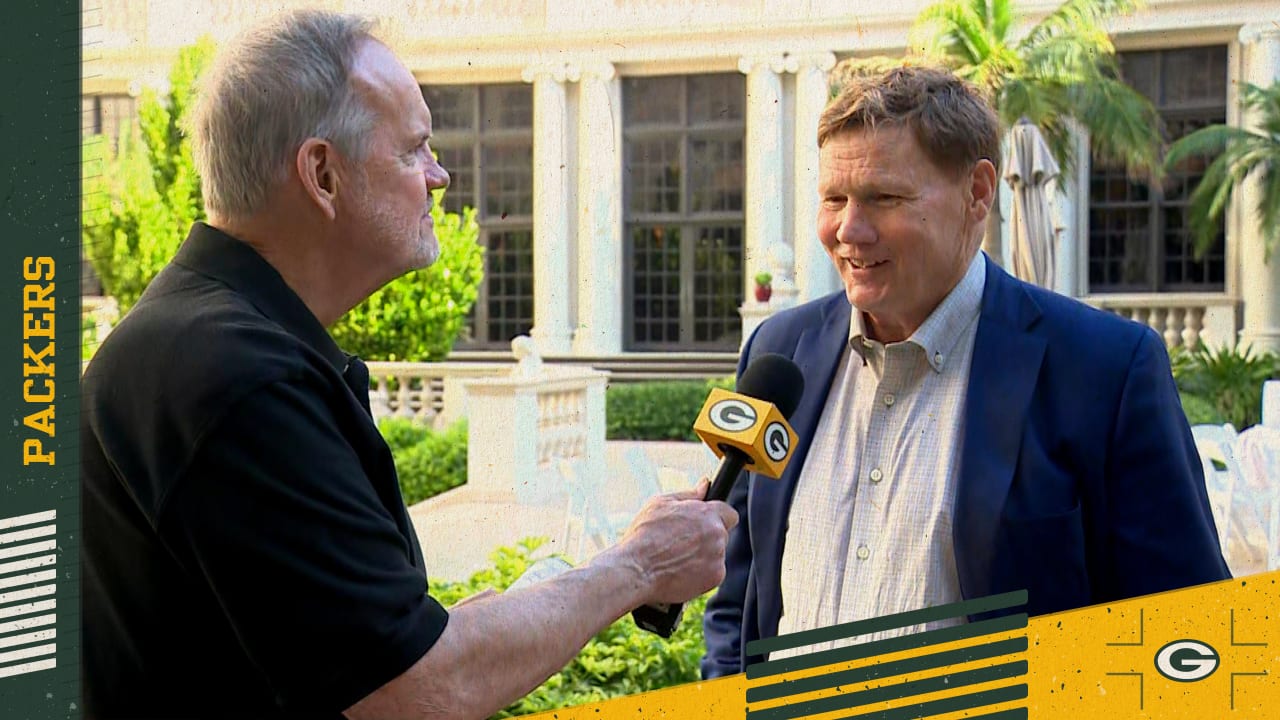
x=1187 y=660
x=732 y=415
x=777 y=443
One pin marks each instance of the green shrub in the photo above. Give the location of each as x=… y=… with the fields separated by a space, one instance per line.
x=1228 y=379
x=418 y=317
x=141 y=199
x=402 y=433
x=661 y=410
x=1200 y=411
x=620 y=660
x=435 y=463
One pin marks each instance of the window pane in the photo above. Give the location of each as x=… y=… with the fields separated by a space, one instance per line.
x=652 y=100
x=717 y=98
x=653 y=169
x=508 y=106
x=717 y=294
x=459 y=161
x=1138 y=234
x=656 y=262
x=508 y=176
x=453 y=107
x=715 y=174
x=509 y=284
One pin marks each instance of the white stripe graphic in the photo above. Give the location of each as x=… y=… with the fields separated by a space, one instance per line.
x=24 y=594
x=37 y=636
x=31 y=519
x=29 y=608
x=24 y=653
x=29 y=549
x=13 y=537
x=42 y=561
x=27 y=623
x=28 y=667
x=29 y=578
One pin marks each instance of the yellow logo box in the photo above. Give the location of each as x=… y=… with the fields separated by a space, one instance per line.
x=751 y=425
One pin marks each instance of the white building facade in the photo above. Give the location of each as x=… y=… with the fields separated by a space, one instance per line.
x=635 y=164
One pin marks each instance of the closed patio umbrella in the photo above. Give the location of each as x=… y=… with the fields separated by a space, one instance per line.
x=1029 y=169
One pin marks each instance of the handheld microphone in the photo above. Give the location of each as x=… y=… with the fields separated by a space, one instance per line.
x=747 y=428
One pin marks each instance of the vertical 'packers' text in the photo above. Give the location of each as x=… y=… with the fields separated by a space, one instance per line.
x=38 y=350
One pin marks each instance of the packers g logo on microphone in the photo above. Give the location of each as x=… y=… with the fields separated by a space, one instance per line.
x=732 y=416
x=1187 y=660
x=777 y=441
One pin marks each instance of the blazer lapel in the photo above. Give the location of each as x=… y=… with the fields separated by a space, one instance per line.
x=818 y=351
x=1006 y=362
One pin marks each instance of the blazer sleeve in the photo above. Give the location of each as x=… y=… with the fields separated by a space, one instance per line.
x=1162 y=530
x=722 y=623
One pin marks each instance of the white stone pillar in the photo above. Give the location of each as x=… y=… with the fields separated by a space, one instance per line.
x=1260 y=280
x=599 y=330
x=551 y=212
x=763 y=202
x=814 y=273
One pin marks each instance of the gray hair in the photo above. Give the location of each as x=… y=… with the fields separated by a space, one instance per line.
x=276 y=86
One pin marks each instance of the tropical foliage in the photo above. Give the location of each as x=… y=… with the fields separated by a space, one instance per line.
x=1239 y=154
x=1061 y=71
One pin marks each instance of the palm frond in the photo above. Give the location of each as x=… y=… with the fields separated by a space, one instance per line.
x=1269 y=203
x=1123 y=125
x=953 y=29
x=1071 y=58
x=1001 y=18
x=1209 y=140
x=1077 y=16
x=1265 y=101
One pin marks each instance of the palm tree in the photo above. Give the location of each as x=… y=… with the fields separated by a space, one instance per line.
x=1064 y=69
x=1238 y=154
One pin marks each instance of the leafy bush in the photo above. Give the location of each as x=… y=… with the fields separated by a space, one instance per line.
x=419 y=316
x=140 y=200
x=662 y=410
x=620 y=660
x=1228 y=380
x=402 y=433
x=427 y=462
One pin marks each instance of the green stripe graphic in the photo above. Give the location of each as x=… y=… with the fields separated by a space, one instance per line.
x=964 y=608
x=881 y=647
x=882 y=670
x=894 y=692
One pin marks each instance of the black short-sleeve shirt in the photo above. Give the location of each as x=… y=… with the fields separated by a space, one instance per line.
x=246 y=550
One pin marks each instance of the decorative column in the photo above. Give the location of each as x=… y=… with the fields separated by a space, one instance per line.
x=814 y=273
x=551 y=214
x=763 y=207
x=1259 y=280
x=599 y=330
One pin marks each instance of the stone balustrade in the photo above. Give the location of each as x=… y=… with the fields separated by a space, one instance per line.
x=428 y=392
x=1182 y=319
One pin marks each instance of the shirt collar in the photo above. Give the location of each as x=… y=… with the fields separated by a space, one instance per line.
x=938 y=334
x=213 y=253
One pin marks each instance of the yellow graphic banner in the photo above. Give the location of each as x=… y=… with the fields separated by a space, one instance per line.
x=1206 y=652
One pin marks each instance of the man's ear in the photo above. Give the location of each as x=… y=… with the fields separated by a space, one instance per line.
x=319 y=169
x=982 y=190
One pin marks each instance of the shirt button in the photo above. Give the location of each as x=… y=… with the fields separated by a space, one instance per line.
x=937 y=358
x=876 y=475
x=888 y=399
x=864 y=552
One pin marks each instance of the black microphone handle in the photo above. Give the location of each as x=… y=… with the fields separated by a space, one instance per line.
x=662 y=619
x=730 y=466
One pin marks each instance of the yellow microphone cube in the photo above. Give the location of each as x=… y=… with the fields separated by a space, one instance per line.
x=753 y=426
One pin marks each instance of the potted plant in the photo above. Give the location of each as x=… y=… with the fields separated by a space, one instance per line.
x=763 y=289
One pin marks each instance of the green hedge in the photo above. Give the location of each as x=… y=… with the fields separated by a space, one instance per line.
x=1223 y=385
x=660 y=410
x=620 y=660
x=427 y=462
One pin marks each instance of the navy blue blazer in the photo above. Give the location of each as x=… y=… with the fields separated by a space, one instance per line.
x=1079 y=480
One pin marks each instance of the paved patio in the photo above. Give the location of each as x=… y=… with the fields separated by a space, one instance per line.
x=458 y=530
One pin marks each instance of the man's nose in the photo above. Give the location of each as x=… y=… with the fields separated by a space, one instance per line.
x=854 y=227
x=437 y=177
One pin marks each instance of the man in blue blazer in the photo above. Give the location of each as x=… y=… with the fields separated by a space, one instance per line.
x=1032 y=442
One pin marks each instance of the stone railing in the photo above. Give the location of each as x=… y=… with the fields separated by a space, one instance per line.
x=524 y=424
x=429 y=392
x=1182 y=319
